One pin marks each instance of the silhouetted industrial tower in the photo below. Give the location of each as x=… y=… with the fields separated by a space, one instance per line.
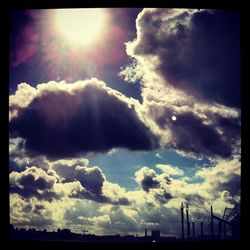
x=188 y=223
x=193 y=230
x=182 y=220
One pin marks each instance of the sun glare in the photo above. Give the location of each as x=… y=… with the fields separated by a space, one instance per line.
x=81 y=26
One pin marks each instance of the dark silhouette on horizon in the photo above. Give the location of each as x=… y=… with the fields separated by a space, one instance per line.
x=227 y=228
x=67 y=235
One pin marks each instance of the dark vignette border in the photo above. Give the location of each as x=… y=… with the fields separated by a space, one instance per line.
x=5 y=10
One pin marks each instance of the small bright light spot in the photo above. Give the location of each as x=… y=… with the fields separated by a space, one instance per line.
x=81 y=26
x=173 y=118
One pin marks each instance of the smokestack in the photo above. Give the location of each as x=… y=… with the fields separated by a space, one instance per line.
x=202 y=234
x=224 y=230
x=219 y=229
x=193 y=229
x=182 y=220
x=212 y=222
x=188 y=223
x=146 y=232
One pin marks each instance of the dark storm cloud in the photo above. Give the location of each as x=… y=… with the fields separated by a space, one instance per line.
x=191 y=133
x=188 y=62
x=64 y=120
x=198 y=52
x=230 y=127
x=33 y=182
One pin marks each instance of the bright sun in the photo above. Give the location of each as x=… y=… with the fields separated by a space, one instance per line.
x=81 y=26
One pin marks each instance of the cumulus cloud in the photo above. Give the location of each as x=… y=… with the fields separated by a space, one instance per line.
x=91 y=179
x=219 y=185
x=197 y=52
x=29 y=213
x=131 y=73
x=164 y=214
x=33 y=182
x=71 y=178
x=19 y=160
x=115 y=193
x=146 y=178
x=224 y=176
x=79 y=216
x=153 y=206
x=170 y=170
x=101 y=218
x=63 y=120
x=191 y=134
x=37 y=213
x=189 y=65
x=199 y=131
x=155 y=185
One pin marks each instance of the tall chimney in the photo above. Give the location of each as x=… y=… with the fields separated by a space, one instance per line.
x=146 y=232
x=202 y=234
x=219 y=229
x=212 y=222
x=182 y=220
x=188 y=224
x=193 y=229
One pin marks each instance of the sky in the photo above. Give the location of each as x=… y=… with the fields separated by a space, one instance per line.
x=117 y=116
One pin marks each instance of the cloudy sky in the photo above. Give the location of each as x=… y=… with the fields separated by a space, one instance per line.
x=117 y=116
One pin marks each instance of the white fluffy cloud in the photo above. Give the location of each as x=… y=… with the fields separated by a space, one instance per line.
x=71 y=178
x=225 y=176
x=155 y=205
x=33 y=182
x=91 y=179
x=170 y=170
